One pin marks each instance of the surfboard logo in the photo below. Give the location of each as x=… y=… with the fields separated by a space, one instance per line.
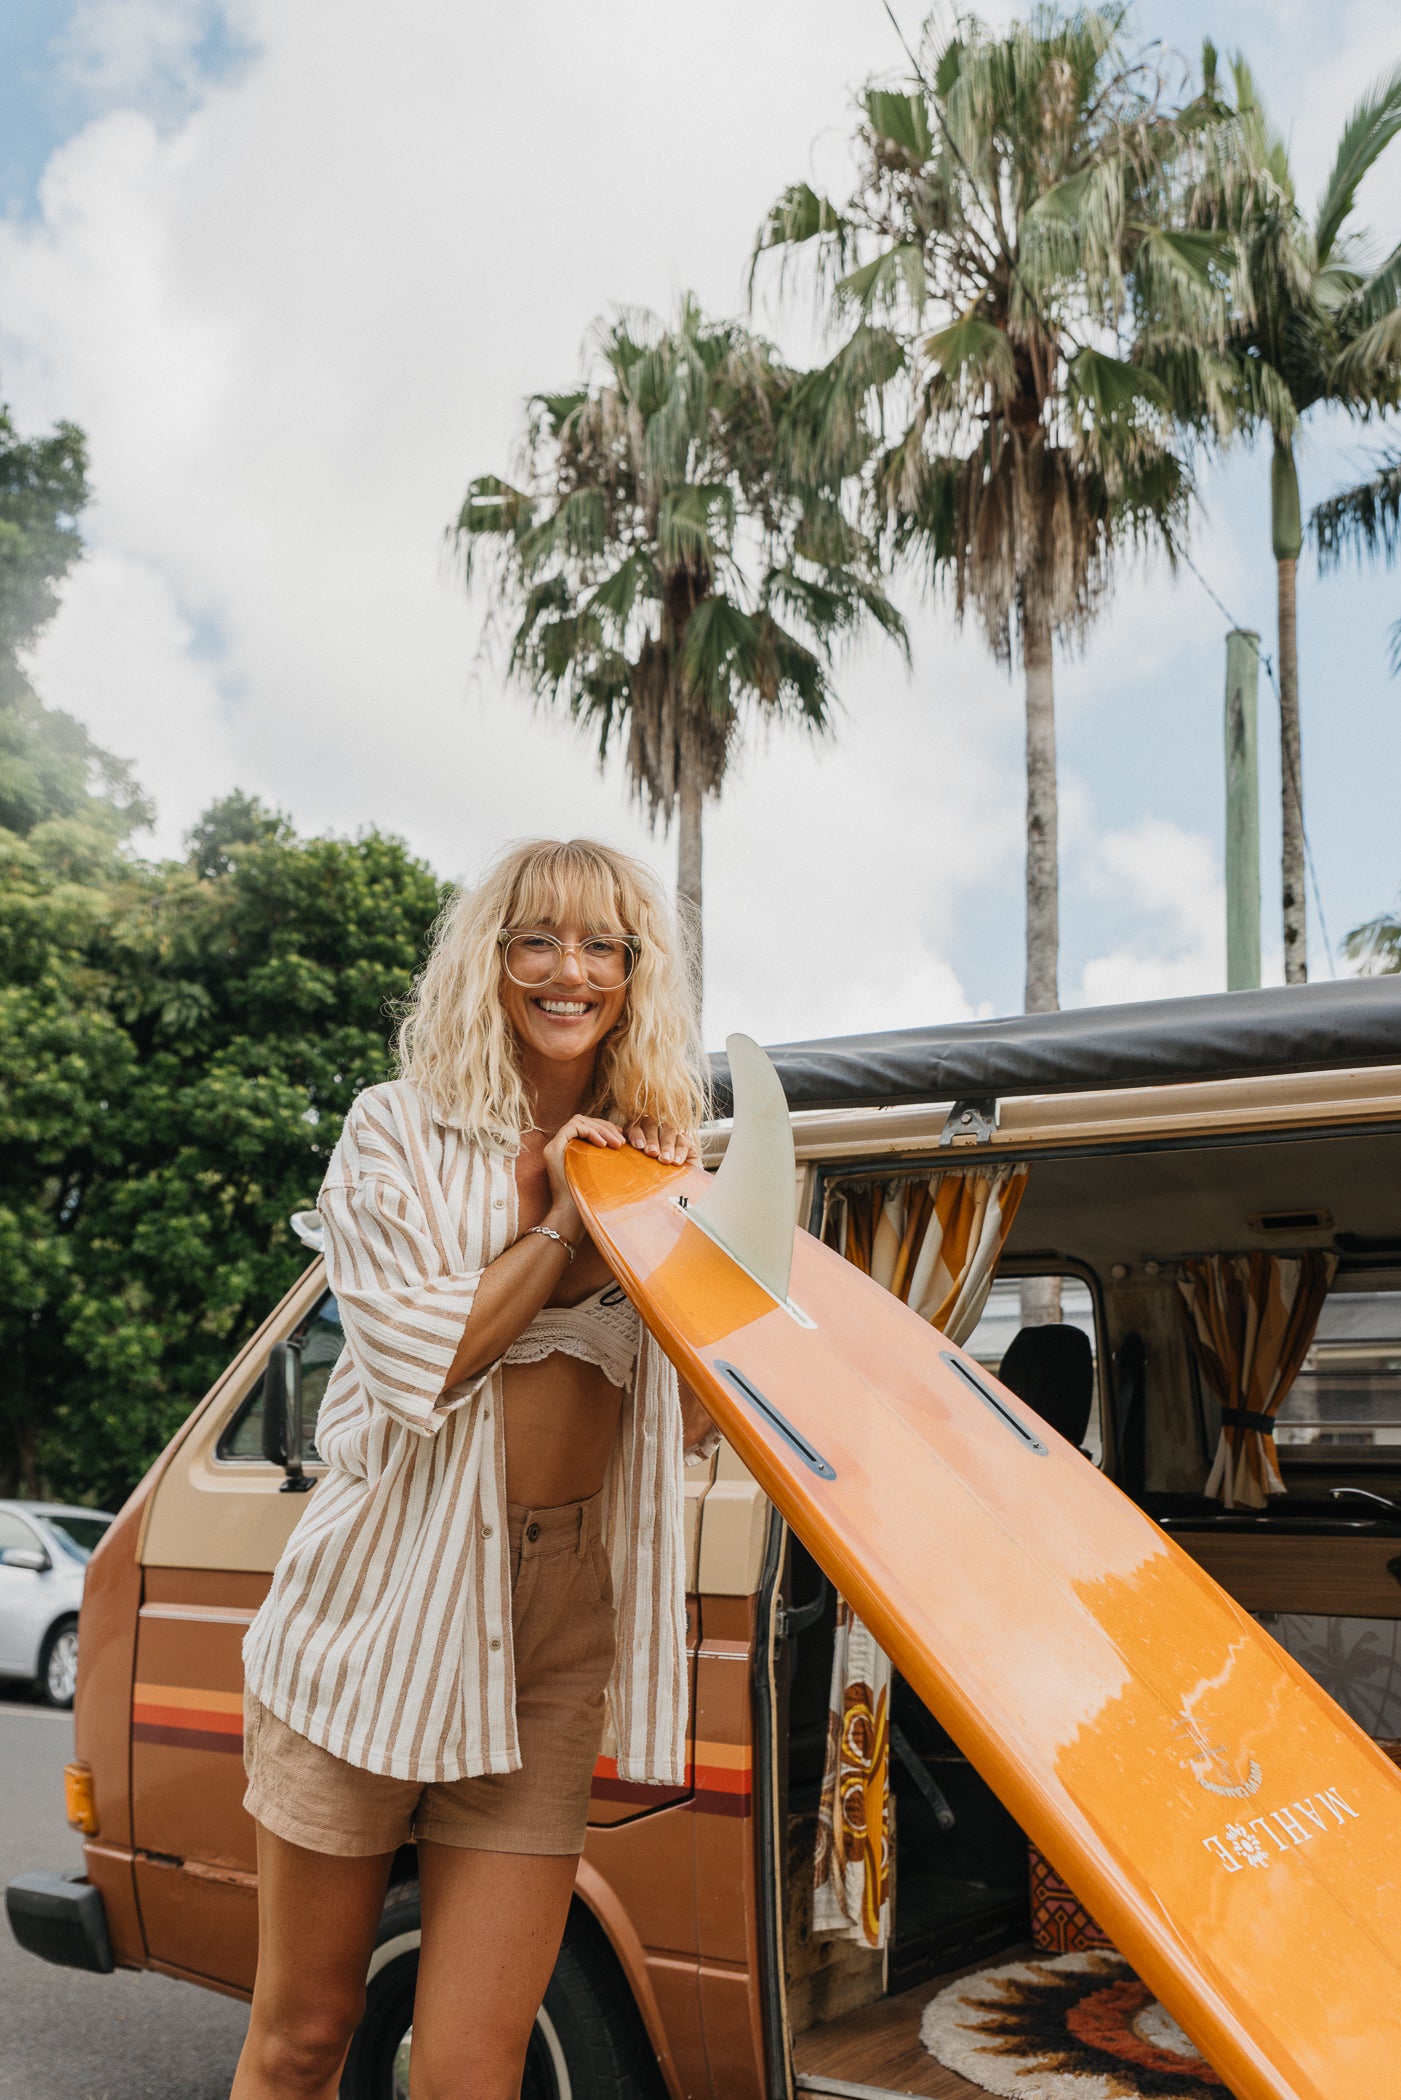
x=1210 y=1763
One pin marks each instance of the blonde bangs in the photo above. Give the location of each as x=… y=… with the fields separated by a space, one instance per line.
x=455 y=1045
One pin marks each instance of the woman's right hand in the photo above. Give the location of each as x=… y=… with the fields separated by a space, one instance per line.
x=595 y=1131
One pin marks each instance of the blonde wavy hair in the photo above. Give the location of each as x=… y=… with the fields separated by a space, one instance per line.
x=455 y=1044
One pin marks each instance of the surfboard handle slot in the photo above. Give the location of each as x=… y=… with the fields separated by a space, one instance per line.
x=750 y=1392
x=990 y=1399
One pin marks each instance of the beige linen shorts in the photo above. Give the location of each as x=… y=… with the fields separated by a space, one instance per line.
x=562 y=1638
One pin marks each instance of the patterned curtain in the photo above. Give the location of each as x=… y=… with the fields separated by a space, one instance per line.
x=1250 y=1320
x=934 y=1241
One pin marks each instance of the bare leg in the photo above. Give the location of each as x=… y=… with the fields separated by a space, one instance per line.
x=317 y=1915
x=492 y=1924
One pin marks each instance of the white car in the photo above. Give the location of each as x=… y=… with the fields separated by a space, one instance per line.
x=44 y=1551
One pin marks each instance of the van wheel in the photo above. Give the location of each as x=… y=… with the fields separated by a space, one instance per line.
x=588 y=2043
x=58 y=1665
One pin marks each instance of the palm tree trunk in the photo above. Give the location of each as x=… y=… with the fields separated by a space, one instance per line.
x=1040 y=1295
x=1296 y=964
x=1042 y=874
x=688 y=865
x=1286 y=535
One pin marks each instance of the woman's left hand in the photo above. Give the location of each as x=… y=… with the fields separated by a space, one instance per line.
x=663 y=1143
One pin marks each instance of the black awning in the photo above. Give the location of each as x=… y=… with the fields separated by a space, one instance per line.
x=1160 y=1042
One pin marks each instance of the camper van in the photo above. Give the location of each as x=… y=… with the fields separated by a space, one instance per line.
x=1164 y=1156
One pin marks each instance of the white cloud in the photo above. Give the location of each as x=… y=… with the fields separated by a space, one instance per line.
x=1168 y=882
x=296 y=310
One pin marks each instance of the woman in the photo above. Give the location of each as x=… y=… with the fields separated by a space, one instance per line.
x=488 y=1584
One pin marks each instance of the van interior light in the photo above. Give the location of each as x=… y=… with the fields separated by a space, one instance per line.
x=79 y=1799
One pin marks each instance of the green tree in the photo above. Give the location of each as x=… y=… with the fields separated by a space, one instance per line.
x=1008 y=254
x=670 y=565
x=178 y=1046
x=1314 y=323
x=43 y=487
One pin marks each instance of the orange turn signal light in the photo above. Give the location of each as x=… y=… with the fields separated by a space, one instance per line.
x=79 y=1800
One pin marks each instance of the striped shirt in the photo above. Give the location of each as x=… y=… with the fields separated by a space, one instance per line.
x=386 y=1635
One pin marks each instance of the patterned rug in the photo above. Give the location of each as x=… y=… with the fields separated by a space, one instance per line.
x=1071 y=2027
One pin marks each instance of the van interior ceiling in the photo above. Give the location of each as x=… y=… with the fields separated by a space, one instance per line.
x=1117 y=1220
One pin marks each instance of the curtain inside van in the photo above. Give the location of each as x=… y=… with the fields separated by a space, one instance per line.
x=934 y=1240
x=1250 y=1321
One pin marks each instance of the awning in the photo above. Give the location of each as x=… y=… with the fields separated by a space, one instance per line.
x=1158 y=1042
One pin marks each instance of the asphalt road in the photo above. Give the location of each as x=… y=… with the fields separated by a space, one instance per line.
x=69 y=2036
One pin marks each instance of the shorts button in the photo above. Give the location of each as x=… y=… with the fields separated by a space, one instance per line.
x=532 y=1532
x=494 y=1646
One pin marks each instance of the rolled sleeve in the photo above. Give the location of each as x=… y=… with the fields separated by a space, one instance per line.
x=696 y=1454
x=402 y=1312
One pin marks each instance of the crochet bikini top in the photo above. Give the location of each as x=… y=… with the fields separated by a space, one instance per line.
x=600 y=1330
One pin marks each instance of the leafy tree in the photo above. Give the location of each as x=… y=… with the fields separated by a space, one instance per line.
x=669 y=562
x=1007 y=255
x=1314 y=323
x=43 y=487
x=178 y=1046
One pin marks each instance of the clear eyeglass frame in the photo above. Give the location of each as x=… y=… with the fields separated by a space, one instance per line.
x=628 y=942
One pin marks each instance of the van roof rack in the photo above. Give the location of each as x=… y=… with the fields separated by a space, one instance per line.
x=1354 y=1021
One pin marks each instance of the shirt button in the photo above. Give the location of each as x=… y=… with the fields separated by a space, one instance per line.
x=495 y=1645
x=498 y=1202
x=532 y=1532
x=486 y=1531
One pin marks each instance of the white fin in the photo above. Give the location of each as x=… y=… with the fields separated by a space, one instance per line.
x=751 y=1207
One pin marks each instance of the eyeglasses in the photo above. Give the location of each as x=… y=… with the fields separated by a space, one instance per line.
x=533 y=959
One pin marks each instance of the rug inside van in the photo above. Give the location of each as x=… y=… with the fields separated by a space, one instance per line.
x=1070 y=2027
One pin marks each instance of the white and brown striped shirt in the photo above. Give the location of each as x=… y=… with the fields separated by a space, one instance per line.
x=386 y=1635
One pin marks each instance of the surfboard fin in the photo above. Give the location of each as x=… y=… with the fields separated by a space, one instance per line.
x=750 y=1209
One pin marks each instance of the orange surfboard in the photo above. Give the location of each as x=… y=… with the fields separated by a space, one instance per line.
x=1233 y=1831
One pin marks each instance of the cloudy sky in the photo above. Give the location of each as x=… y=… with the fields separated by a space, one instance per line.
x=295 y=267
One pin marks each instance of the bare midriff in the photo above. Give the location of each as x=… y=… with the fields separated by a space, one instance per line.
x=561 y=1424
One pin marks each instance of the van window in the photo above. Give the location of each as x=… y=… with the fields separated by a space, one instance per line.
x=322 y=1341
x=1002 y=1316
x=1348 y=1394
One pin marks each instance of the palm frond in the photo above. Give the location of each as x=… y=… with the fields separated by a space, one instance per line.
x=1376 y=944
x=968 y=360
x=695 y=526
x=1365 y=520
x=900 y=121
x=1370 y=128
x=633 y=582
x=890 y=280
x=491 y=506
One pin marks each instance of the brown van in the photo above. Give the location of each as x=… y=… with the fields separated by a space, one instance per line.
x=1155 y=1135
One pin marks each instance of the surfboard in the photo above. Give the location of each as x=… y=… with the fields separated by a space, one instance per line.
x=1237 y=1836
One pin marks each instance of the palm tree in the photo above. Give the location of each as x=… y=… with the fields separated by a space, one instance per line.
x=671 y=564
x=1007 y=254
x=1366 y=520
x=1314 y=323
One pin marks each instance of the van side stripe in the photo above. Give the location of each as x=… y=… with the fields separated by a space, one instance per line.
x=719 y=1778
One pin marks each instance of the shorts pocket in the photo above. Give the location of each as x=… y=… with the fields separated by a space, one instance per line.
x=602 y=1572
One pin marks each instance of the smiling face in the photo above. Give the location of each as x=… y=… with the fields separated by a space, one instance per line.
x=563 y=1021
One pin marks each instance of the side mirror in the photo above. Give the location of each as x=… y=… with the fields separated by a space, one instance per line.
x=282 y=1415
x=31 y=1558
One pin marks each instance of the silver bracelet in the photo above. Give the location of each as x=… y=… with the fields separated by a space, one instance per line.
x=548 y=1232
